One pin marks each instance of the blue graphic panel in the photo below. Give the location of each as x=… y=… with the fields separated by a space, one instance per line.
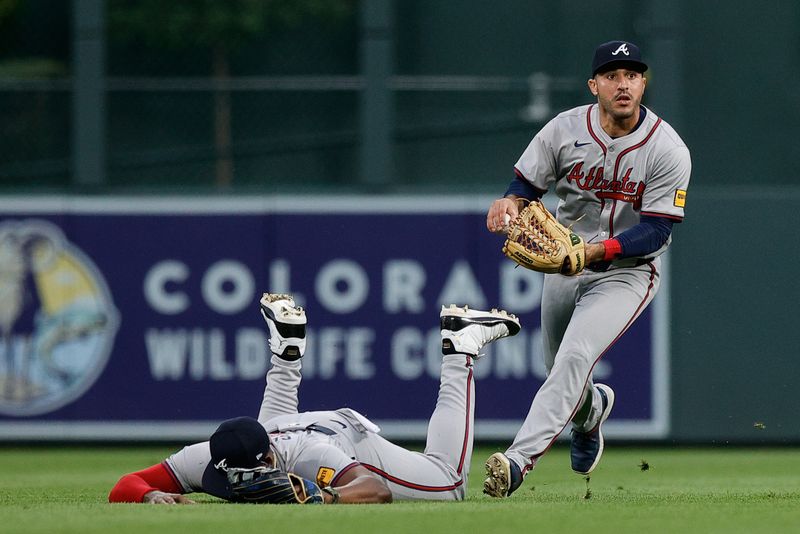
x=146 y=317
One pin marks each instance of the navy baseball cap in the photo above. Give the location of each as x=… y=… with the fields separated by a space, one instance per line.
x=616 y=54
x=240 y=442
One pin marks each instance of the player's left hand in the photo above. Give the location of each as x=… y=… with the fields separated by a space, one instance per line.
x=160 y=497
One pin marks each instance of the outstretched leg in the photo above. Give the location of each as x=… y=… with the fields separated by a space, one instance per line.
x=464 y=333
x=287 y=341
x=440 y=472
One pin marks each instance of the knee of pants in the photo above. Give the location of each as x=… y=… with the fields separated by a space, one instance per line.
x=572 y=361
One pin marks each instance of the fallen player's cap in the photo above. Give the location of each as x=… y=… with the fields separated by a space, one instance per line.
x=617 y=54
x=240 y=442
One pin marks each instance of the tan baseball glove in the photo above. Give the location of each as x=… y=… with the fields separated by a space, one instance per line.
x=537 y=241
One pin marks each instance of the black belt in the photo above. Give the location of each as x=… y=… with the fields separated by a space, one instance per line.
x=321 y=429
x=602 y=266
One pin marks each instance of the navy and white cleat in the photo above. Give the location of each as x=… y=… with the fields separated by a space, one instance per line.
x=287 y=325
x=587 y=447
x=466 y=331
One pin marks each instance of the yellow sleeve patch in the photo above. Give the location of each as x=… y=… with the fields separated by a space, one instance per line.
x=680 y=198
x=325 y=476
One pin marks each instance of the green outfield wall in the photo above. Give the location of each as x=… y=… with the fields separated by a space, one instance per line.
x=734 y=303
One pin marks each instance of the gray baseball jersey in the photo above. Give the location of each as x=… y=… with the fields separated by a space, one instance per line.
x=604 y=186
x=323 y=445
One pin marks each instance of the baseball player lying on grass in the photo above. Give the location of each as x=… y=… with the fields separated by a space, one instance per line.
x=329 y=456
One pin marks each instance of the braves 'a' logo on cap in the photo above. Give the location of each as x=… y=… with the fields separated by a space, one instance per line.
x=622 y=48
x=222 y=465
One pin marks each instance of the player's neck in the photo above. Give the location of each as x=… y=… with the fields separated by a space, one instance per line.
x=615 y=127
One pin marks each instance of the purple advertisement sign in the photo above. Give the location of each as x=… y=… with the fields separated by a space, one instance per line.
x=138 y=318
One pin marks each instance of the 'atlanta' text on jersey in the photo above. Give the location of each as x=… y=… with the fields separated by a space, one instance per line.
x=625 y=190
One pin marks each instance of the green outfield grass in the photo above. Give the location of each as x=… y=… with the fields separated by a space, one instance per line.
x=684 y=490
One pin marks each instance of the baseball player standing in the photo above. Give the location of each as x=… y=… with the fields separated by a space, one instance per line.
x=621 y=174
x=340 y=452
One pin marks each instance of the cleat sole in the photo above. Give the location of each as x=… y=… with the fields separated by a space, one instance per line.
x=497 y=476
x=456 y=318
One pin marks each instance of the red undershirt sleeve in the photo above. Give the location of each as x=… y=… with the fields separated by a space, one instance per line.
x=133 y=486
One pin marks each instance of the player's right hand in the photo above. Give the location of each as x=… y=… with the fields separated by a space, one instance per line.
x=500 y=213
x=159 y=497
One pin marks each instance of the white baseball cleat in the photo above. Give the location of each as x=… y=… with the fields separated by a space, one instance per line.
x=287 y=325
x=466 y=331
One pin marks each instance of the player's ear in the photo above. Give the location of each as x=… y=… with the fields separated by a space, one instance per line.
x=592 y=83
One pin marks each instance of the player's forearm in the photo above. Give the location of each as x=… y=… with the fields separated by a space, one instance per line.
x=594 y=252
x=134 y=486
x=522 y=188
x=130 y=488
x=362 y=490
x=638 y=241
